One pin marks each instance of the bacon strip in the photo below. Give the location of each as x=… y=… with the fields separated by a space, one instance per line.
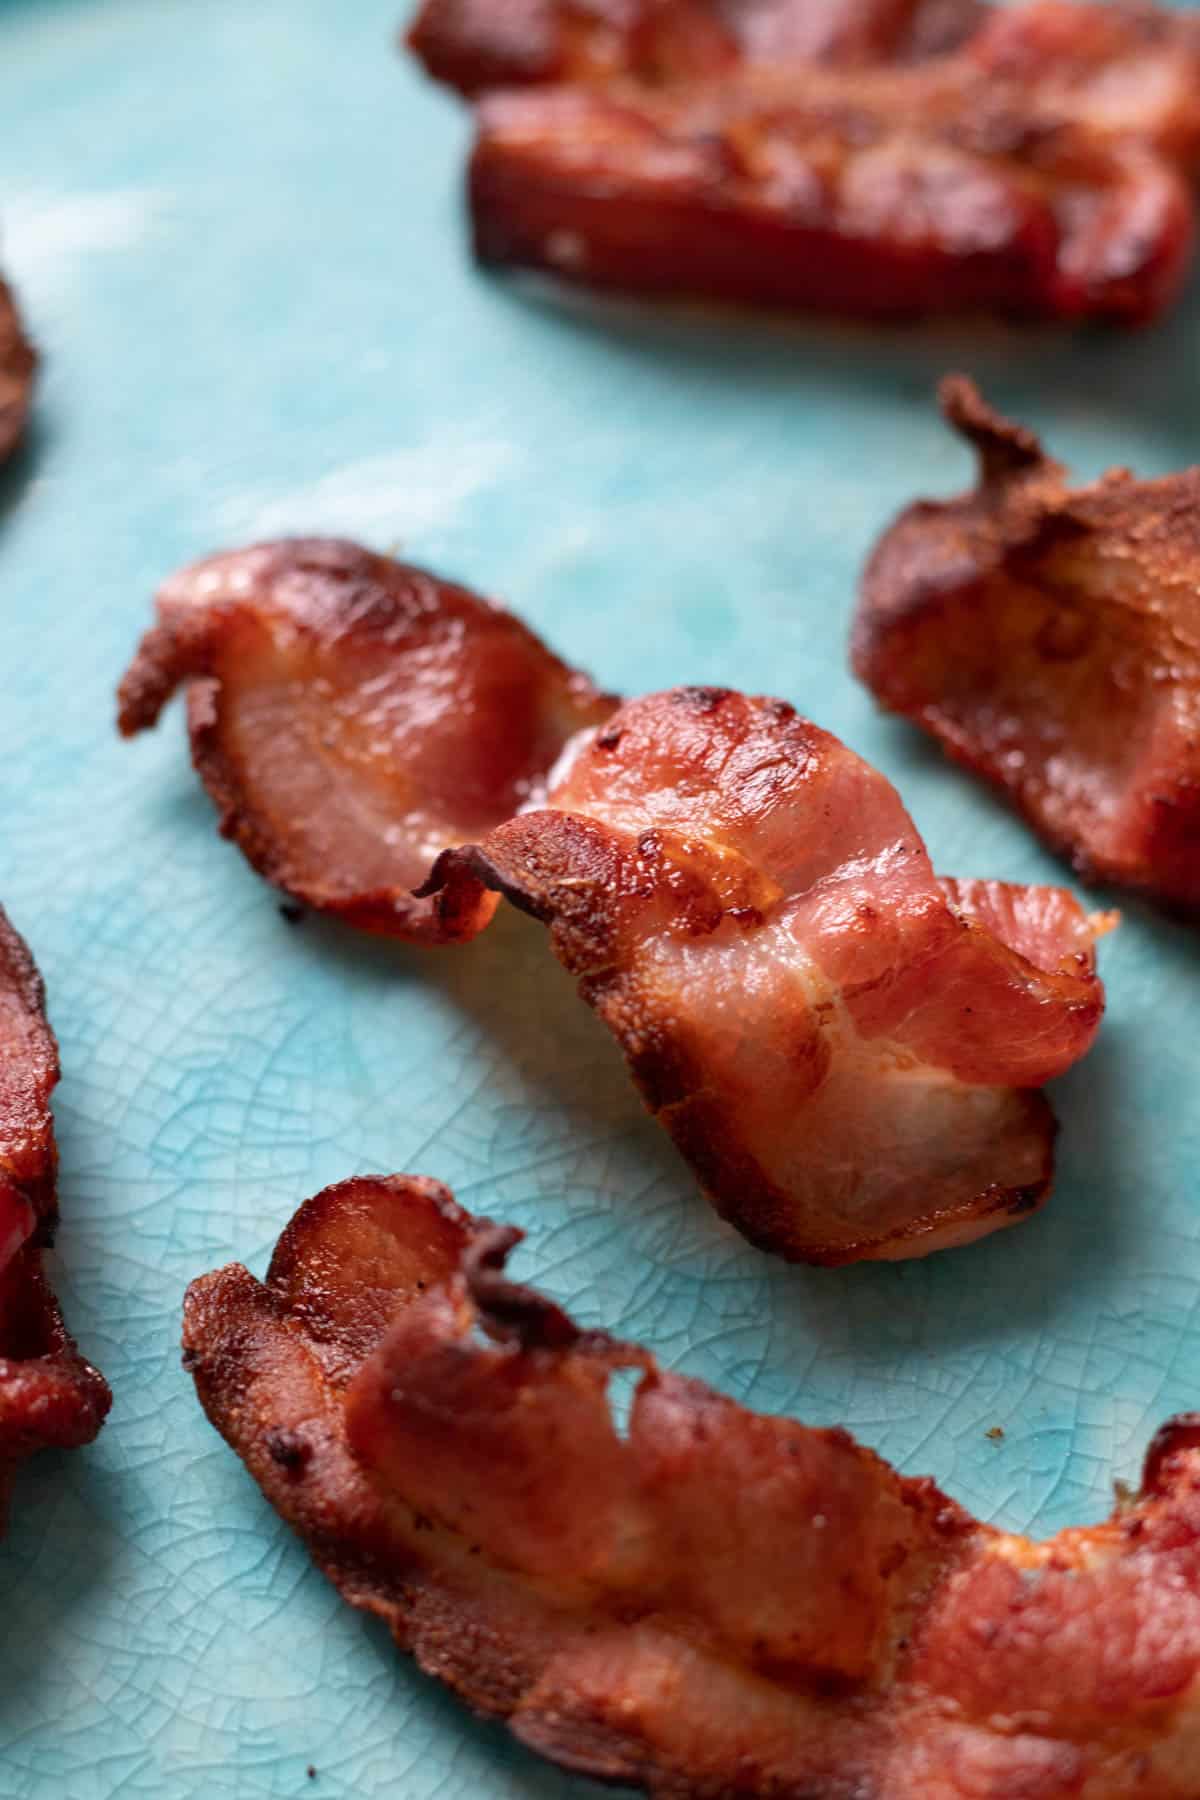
x=704 y=1601
x=818 y=155
x=1048 y=637
x=894 y=195
x=352 y=716
x=478 y=45
x=18 y=365
x=49 y=1396
x=845 y=1049
x=1121 y=69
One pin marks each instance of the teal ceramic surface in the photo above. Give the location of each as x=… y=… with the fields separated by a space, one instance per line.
x=236 y=231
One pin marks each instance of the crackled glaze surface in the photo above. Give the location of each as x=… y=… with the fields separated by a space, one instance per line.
x=238 y=245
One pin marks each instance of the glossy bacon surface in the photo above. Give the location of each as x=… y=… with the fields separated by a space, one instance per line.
x=49 y=1396
x=28 y=1075
x=351 y=716
x=706 y=1602
x=1049 y=638
x=477 y=45
x=1118 y=70
x=845 y=1049
x=869 y=158
x=18 y=364
x=878 y=194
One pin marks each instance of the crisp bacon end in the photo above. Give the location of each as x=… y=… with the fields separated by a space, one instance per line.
x=477 y=45
x=18 y=365
x=49 y=1396
x=327 y=691
x=1048 y=638
x=845 y=1049
x=701 y=1600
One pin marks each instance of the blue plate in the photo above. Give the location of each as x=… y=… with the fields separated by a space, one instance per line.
x=236 y=231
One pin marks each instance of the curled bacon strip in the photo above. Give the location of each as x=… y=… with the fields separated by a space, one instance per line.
x=477 y=45
x=1048 y=638
x=706 y=1601
x=1036 y=169
x=49 y=1396
x=18 y=364
x=845 y=1049
x=351 y=717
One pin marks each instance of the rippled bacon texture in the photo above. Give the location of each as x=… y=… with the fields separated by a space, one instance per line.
x=18 y=363
x=706 y=1602
x=813 y=157
x=846 y=1049
x=1049 y=637
x=48 y=1395
x=862 y=202
x=477 y=45
x=352 y=716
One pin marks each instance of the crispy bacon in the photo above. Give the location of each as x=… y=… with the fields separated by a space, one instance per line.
x=28 y=1075
x=845 y=1049
x=49 y=1396
x=898 y=194
x=477 y=45
x=1120 y=70
x=702 y=1601
x=351 y=716
x=791 y=154
x=18 y=364
x=1049 y=638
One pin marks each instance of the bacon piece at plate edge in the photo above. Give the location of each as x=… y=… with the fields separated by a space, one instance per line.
x=18 y=367
x=703 y=1600
x=50 y=1397
x=1047 y=637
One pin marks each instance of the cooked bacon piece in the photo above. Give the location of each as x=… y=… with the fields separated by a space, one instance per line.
x=476 y=45
x=1049 y=637
x=1119 y=70
x=48 y=1395
x=351 y=716
x=800 y=154
x=18 y=362
x=28 y=1075
x=874 y=194
x=50 y=1398
x=845 y=1049
x=705 y=1602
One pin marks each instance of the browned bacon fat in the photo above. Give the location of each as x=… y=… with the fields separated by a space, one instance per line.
x=898 y=194
x=1120 y=69
x=846 y=1049
x=18 y=362
x=48 y=1395
x=708 y=1602
x=1049 y=637
x=477 y=45
x=779 y=153
x=352 y=716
